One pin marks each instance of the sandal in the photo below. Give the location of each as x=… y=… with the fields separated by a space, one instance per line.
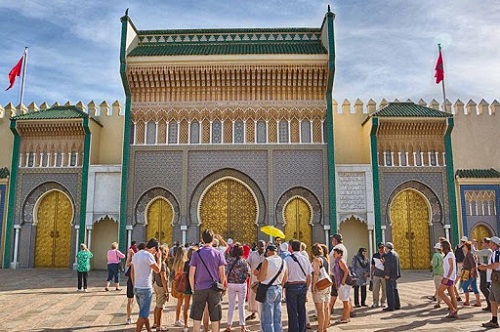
x=244 y=329
x=342 y=321
x=466 y=304
x=476 y=305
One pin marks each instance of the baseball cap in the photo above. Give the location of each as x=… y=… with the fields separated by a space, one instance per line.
x=464 y=239
x=271 y=247
x=496 y=240
x=284 y=246
x=389 y=245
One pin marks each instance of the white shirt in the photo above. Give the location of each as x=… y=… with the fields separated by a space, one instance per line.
x=295 y=274
x=273 y=266
x=254 y=259
x=447 y=266
x=494 y=258
x=143 y=274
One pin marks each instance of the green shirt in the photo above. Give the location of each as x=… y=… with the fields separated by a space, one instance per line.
x=83 y=260
x=437 y=264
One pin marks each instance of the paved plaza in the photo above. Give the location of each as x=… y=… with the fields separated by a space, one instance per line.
x=46 y=300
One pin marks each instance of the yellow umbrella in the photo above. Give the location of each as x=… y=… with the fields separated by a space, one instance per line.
x=272 y=231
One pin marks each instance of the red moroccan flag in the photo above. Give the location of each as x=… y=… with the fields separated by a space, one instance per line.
x=16 y=71
x=439 y=68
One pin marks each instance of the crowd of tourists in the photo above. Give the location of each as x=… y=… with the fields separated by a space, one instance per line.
x=267 y=274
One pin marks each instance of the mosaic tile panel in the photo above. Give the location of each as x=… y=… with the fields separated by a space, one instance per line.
x=298 y=168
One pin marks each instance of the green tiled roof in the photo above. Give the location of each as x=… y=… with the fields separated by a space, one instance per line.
x=477 y=173
x=409 y=110
x=233 y=48
x=56 y=112
x=228 y=41
x=4 y=173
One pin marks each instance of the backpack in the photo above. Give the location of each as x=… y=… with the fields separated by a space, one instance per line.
x=459 y=254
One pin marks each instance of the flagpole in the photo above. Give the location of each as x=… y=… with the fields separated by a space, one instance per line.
x=442 y=83
x=25 y=55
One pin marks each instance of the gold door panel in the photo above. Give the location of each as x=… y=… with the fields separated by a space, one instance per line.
x=297 y=218
x=53 y=232
x=159 y=216
x=229 y=209
x=409 y=217
x=479 y=233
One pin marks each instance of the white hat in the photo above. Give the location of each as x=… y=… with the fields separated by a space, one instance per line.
x=284 y=246
x=230 y=241
x=464 y=239
x=496 y=240
x=437 y=246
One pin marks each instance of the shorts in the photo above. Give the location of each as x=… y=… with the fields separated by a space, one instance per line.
x=322 y=296
x=130 y=289
x=494 y=292
x=437 y=281
x=334 y=292
x=143 y=297
x=344 y=293
x=203 y=297
x=449 y=283
x=161 y=296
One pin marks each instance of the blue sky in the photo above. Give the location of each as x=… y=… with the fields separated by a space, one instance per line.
x=385 y=48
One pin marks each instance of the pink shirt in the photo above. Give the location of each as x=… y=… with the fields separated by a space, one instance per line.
x=114 y=256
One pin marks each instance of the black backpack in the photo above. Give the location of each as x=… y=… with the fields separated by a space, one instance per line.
x=459 y=254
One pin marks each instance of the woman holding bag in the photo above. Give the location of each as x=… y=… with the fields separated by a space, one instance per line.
x=114 y=257
x=178 y=269
x=469 y=275
x=321 y=298
x=361 y=270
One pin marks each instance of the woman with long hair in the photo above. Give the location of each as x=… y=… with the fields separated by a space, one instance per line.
x=160 y=286
x=449 y=276
x=178 y=269
x=188 y=292
x=469 y=275
x=321 y=298
x=237 y=272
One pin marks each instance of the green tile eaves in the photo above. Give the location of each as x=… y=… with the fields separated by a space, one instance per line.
x=228 y=49
x=56 y=113
x=409 y=109
x=477 y=173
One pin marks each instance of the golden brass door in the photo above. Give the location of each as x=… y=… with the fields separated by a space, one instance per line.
x=479 y=233
x=409 y=216
x=230 y=209
x=297 y=218
x=159 y=217
x=53 y=231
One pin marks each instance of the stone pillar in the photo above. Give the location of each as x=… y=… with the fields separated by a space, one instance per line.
x=89 y=236
x=326 y=228
x=447 y=231
x=14 y=263
x=383 y=227
x=184 y=229
x=129 y=235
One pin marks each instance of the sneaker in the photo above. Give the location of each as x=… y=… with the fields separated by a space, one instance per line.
x=78 y=290
x=85 y=290
x=490 y=324
x=129 y=321
x=375 y=305
x=179 y=323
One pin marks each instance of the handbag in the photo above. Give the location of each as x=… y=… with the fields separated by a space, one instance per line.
x=370 y=287
x=174 y=291
x=216 y=286
x=465 y=275
x=324 y=280
x=351 y=281
x=121 y=267
x=261 y=294
x=182 y=282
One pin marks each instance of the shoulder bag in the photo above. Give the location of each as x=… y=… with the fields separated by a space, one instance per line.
x=217 y=285
x=261 y=294
x=324 y=280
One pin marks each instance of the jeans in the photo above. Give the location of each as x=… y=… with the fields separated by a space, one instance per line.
x=296 y=307
x=143 y=297
x=271 y=310
x=392 y=294
x=82 y=276
x=379 y=284
x=113 y=272
x=472 y=282
x=234 y=290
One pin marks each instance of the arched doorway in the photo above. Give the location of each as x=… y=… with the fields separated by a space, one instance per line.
x=104 y=232
x=409 y=215
x=297 y=219
x=53 y=231
x=159 y=221
x=480 y=232
x=229 y=208
x=355 y=231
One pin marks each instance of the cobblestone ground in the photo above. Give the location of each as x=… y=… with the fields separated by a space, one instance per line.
x=46 y=300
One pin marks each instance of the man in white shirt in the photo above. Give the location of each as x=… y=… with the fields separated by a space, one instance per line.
x=141 y=268
x=494 y=267
x=254 y=260
x=299 y=279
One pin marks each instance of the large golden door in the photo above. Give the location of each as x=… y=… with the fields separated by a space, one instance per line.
x=297 y=218
x=160 y=216
x=53 y=231
x=409 y=216
x=230 y=209
x=479 y=233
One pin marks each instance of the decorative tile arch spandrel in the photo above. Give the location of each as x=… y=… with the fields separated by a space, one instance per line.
x=150 y=195
x=226 y=173
x=34 y=196
x=435 y=204
x=307 y=195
